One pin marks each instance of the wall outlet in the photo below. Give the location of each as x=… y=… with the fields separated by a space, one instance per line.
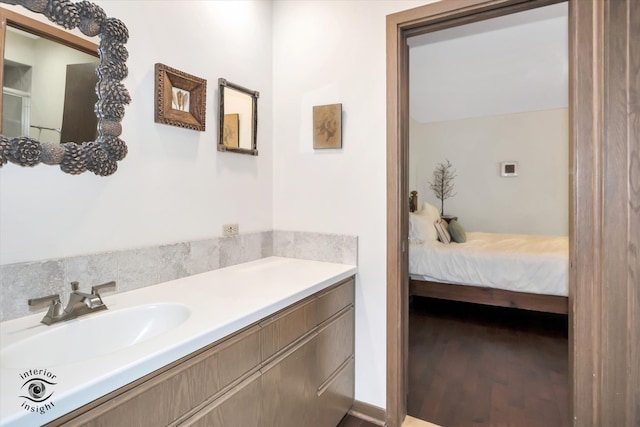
x=230 y=229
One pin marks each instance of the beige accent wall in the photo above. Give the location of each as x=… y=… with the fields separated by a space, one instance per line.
x=534 y=202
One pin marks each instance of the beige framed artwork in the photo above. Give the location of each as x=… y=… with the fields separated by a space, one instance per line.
x=180 y=98
x=231 y=130
x=327 y=126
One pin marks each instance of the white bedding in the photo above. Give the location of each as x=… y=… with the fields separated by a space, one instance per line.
x=516 y=262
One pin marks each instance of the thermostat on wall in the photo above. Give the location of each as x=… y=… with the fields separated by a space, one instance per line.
x=509 y=169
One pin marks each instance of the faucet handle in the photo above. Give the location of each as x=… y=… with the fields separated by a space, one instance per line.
x=55 y=311
x=96 y=288
x=55 y=299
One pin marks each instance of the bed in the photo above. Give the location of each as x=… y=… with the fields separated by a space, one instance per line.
x=510 y=270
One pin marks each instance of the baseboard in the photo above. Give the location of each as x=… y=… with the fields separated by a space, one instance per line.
x=367 y=412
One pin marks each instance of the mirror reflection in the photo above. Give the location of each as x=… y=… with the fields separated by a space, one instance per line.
x=48 y=89
x=238 y=118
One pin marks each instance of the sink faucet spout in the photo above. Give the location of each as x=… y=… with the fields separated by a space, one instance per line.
x=81 y=303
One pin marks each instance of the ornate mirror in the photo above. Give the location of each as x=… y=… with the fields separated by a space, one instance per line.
x=79 y=128
x=238 y=121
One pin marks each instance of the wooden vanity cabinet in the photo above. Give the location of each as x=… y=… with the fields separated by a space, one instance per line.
x=284 y=328
x=335 y=354
x=240 y=406
x=335 y=398
x=294 y=368
x=163 y=397
x=307 y=371
x=311 y=383
x=289 y=387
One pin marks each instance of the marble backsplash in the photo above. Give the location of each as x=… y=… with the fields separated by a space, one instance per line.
x=136 y=268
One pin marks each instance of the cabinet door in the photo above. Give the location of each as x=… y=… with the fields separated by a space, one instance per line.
x=335 y=299
x=335 y=398
x=289 y=388
x=174 y=393
x=335 y=344
x=240 y=406
x=286 y=327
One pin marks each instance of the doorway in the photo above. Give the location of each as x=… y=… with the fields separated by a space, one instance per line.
x=605 y=309
x=482 y=93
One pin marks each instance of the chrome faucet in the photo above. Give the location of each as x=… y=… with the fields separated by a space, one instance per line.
x=80 y=304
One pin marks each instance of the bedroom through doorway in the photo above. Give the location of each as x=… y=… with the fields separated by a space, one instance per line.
x=603 y=292
x=488 y=324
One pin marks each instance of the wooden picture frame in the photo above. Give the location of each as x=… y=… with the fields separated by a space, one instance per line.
x=180 y=98
x=327 y=126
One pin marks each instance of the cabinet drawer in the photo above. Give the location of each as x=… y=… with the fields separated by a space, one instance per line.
x=173 y=393
x=335 y=344
x=335 y=299
x=240 y=406
x=336 y=398
x=289 y=387
x=284 y=328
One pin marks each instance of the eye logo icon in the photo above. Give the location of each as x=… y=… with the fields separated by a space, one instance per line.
x=36 y=390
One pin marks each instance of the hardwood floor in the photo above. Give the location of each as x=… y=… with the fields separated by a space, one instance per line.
x=473 y=365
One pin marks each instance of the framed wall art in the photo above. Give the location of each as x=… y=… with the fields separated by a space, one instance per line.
x=180 y=98
x=327 y=126
x=231 y=134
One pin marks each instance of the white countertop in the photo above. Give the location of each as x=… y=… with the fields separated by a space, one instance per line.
x=221 y=302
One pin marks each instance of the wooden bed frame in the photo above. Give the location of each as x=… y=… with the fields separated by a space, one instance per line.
x=484 y=295
x=489 y=296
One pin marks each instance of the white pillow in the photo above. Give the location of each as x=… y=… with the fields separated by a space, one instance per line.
x=421 y=228
x=442 y=231
x=431 y=211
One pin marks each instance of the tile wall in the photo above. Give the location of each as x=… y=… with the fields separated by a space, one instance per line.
x=136 y=268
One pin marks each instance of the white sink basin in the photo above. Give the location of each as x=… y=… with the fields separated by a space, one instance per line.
x=93 y=335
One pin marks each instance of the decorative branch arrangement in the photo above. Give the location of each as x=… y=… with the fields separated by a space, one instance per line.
x=442 y=184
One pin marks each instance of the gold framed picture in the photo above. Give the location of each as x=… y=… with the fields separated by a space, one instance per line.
x=327 y=126
x=180 y=98
x=231 y=130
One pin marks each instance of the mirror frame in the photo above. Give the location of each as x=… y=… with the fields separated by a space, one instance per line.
x=99 y=156
x=222 y=85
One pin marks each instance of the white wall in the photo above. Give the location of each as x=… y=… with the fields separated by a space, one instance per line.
x=534 y=202
x=173 y=185
x=328 y=52
x=507 y=64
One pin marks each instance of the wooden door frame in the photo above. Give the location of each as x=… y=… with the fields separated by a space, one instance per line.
x=586 y=87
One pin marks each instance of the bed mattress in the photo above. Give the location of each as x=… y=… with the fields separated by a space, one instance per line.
x=515 y=262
